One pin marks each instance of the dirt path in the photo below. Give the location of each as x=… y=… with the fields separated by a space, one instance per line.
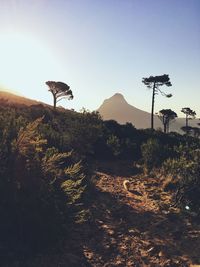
x=128 y=229
x=138 y=228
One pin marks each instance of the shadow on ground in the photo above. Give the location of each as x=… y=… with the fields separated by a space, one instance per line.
x=117 y=168
x=119 y=235
x=121 y=232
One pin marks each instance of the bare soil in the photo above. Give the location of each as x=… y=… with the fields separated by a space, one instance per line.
x=139 y=227
x=129 y=228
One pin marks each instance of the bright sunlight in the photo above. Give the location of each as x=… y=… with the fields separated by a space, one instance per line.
x=26 y=63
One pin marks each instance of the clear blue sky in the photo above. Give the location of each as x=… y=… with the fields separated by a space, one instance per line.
x=100 y=47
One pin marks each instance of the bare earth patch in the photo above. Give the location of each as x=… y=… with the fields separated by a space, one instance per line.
x=138 y=228
x=129 y=229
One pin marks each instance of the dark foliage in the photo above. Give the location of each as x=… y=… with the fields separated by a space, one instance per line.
x=41 y=189
x=45 y=177
x=185 y=170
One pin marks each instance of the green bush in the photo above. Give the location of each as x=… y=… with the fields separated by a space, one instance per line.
x=185 y=170
x=152 y=154
x=41 y=191
x=113 y=143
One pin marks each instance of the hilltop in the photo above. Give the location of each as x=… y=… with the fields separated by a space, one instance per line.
x=117 y=108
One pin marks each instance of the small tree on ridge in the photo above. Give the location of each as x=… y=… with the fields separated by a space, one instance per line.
x=154 y=83
x=189 y=115
x=59 y=91
x=166 y=116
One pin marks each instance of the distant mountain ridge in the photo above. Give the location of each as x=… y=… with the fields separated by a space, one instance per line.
x=113 y=108
x=117 y=108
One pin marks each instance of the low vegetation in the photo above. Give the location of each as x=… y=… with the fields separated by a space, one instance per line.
x=47 y=174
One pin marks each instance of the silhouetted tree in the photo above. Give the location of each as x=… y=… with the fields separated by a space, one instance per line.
x=59 y=91
x=154 y=83
x=166 y=116
x=189 y=115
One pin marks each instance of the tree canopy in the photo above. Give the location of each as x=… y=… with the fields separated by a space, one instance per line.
x=166 y=116
x=189 y=115
x=59 y=91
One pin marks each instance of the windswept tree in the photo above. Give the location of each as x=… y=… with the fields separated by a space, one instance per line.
x=166 y=116
x=189 y=115
x=59 y=91
x=154 y=83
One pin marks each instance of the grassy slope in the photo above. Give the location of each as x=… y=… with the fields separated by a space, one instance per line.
x=10 y=98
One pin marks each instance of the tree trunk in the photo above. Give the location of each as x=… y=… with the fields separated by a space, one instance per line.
x=54 y=101
x=152 y=107
x=165 y=127
x=186 y=120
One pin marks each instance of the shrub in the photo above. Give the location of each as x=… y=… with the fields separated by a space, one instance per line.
x=152 y=154
x=186 y=177
x=113 y=143
x=41 y=191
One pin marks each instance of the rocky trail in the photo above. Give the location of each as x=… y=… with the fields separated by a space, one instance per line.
x=130 y=228
x=139 y=228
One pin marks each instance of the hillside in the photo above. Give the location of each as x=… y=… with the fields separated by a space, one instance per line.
x=117 y=108
x=62 y=197
x=12 y=99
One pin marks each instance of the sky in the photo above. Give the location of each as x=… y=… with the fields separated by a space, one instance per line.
x=102 y=47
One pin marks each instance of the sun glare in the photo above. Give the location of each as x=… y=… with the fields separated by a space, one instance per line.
x=25 y=63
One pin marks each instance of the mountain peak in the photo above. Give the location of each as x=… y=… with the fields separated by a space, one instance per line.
x=116 y=98
x=118 y=95
x=117 y=108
